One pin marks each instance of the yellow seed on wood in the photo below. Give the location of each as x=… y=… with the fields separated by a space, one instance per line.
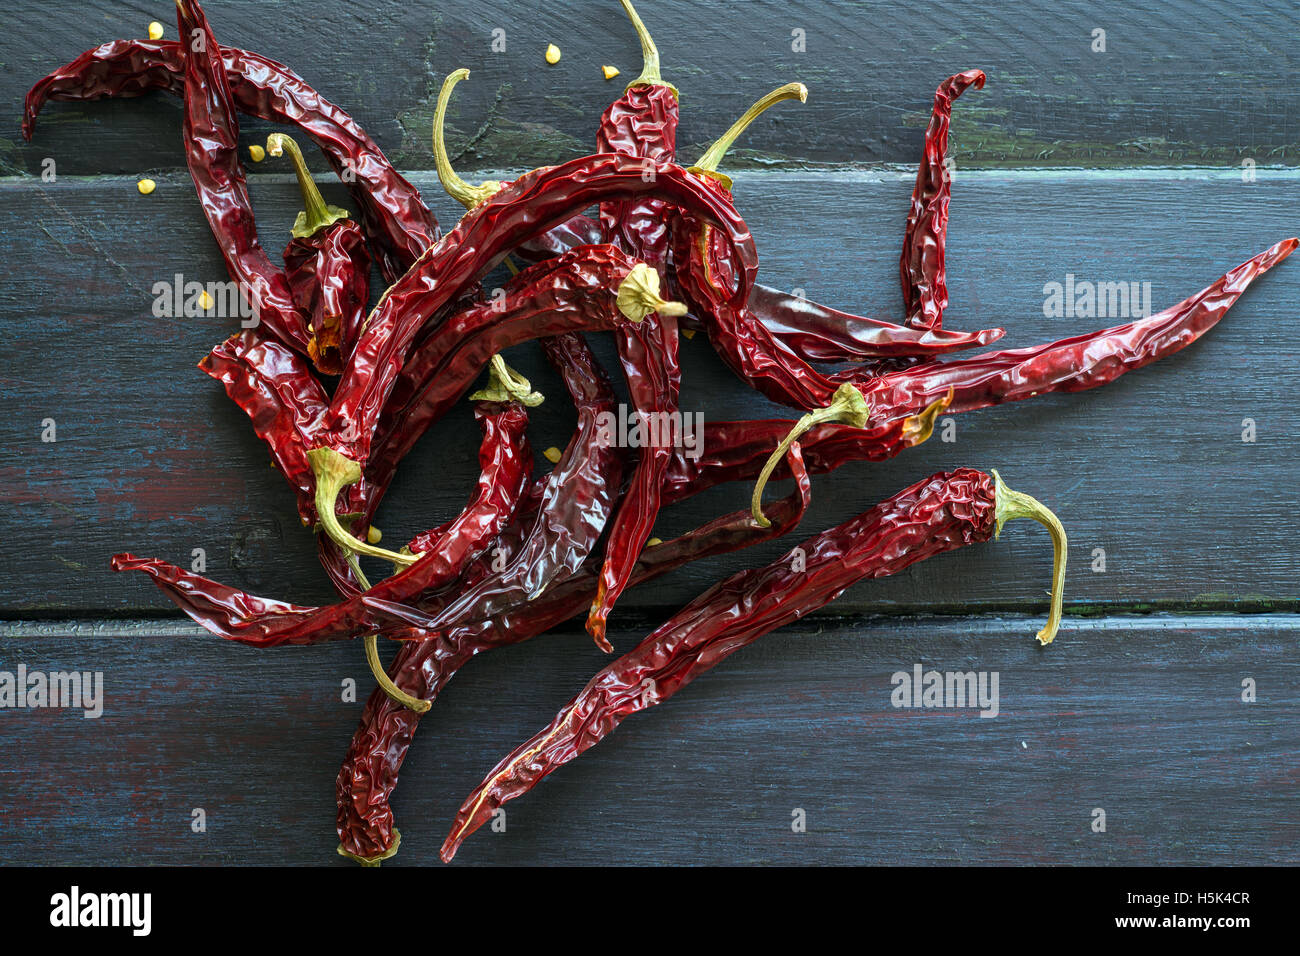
x=155 y=30
x=552 y=454
x=688 y=333
x=552 y=54
x=653 y=541
x=257 y=153
x=609 y=71
x=205 y=301
x=374 y=535
x=146 y=186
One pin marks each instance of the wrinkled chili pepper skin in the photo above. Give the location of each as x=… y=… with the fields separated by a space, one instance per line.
x=576 y=503
x=285 y=402
x=530 y=206
x=397 y=222
x=329 y=278
x=821 y=334
x=1069 y=365
x=505 y=459
x=423 y=667
x=641 y=123
x=921 y=266
x=212 y=152
x=942 y=513
x=575 y=292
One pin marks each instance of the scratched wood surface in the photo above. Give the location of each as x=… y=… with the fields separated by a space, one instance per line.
x=1140 y=716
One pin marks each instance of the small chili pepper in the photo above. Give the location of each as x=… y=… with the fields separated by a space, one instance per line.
x=921 y=267
x=529 y=206
x=212 y=152
x=942 y=513
x=396 y=220
x=423 y=667
x=327 y=267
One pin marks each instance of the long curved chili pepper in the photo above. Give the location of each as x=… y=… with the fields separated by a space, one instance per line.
x=235 y=615
x=942 y=513
x=422 y=668
x=921 y=266
x=327 y=267
x=212 y=152
x=397 y=222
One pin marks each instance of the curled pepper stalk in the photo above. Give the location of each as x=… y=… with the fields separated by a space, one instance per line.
x=469 y=196
x=650 y=75
x=638 y=295
x=708 y=164
x=334 y=472
x=1013 y=504
x=848 y=406
x=506 y=384
x=385 y=683
x=317 y=213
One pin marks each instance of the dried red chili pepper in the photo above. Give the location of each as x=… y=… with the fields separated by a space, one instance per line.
x=212 y=152
x=942 y=513
x=506 y=460
x=921 y=267
x=396 y=220
x=327 y=267
x=530 y=206
x=423 y=667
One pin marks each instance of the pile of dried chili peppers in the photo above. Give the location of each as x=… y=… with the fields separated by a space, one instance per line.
x=340 y=391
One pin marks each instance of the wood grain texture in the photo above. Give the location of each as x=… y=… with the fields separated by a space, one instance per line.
x=152 y=457
x=1175 y=85
x=1141 y=717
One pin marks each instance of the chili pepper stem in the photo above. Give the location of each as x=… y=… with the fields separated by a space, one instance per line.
x=467 y=195
x=847 y=406
x=507 y=385
x=708 y=164
x=334 y=472
x=1013 y=504
x=372 y=657
x=649 y=53
x=638 y=295
x=378 y=857
x=316 y=214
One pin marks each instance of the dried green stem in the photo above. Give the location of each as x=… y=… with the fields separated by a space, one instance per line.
x=467 y=195
x=649 y=53
x=1012 y=504
x=334 y=472
x=372 y=656
x=712 y=157
x=847 y=406
x=316 y=214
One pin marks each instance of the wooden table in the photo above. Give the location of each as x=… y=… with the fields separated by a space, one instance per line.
x=1125 y=165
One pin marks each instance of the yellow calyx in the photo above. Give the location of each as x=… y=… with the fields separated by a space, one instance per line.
x=638 y=295
x=507 y=385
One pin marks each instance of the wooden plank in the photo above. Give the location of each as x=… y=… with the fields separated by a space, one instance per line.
x=151 y=456
x=1159 y=94
x=1141 y=717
